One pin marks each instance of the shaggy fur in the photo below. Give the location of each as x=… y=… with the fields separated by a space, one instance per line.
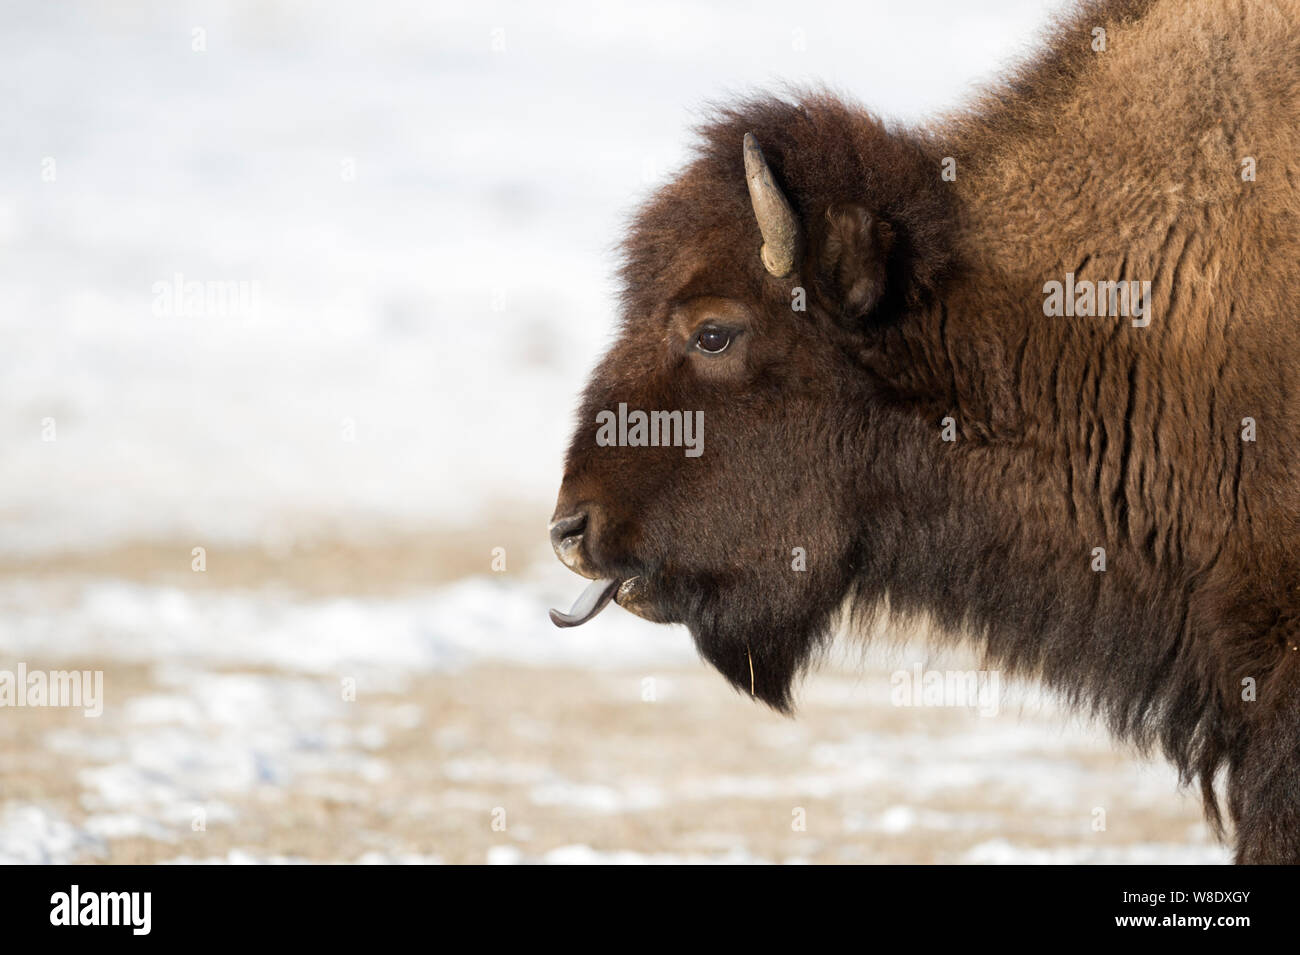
x=925 y=302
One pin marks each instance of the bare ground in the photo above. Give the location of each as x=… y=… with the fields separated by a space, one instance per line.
x=501 y=762
x=507 y=763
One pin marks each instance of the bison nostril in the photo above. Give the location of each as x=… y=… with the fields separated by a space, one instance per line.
x=565 y=527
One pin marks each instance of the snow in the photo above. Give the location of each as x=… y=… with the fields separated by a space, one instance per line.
x=446 y=300
x=30 y=835
x=474 y=620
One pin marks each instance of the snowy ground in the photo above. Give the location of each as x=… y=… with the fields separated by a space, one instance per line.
x=421 y=202
x=455 y=724
x=572 y=754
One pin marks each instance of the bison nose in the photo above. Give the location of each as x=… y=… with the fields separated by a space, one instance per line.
x=567 y=537
x=564 y=528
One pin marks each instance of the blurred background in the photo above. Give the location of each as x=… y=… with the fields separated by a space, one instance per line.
x=297 y=299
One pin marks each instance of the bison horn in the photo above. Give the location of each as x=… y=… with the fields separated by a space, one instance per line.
x=772 y=210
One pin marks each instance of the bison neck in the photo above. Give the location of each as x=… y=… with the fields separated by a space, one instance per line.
x=1118 y=511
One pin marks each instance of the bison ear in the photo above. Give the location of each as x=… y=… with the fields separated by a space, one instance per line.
x=851 y=260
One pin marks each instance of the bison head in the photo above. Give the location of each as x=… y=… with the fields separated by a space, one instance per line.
x=763 y=296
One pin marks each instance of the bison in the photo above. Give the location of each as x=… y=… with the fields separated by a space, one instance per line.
x=1028 y=372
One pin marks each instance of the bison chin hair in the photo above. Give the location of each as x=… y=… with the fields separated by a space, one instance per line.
x=760 y=649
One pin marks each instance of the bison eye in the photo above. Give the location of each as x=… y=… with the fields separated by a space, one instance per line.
x=713 y=341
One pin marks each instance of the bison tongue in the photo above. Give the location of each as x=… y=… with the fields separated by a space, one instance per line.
x=589 y=603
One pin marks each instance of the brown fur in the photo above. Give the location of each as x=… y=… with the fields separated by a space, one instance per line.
x=925 y=302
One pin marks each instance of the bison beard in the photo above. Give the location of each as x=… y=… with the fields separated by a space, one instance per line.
x=760 y=653
x=934 y=444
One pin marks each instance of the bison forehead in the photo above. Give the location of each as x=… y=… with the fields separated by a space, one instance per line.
x=680 y=246
x=698 y=233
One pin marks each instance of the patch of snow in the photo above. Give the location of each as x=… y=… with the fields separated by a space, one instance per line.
x=32 y=835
